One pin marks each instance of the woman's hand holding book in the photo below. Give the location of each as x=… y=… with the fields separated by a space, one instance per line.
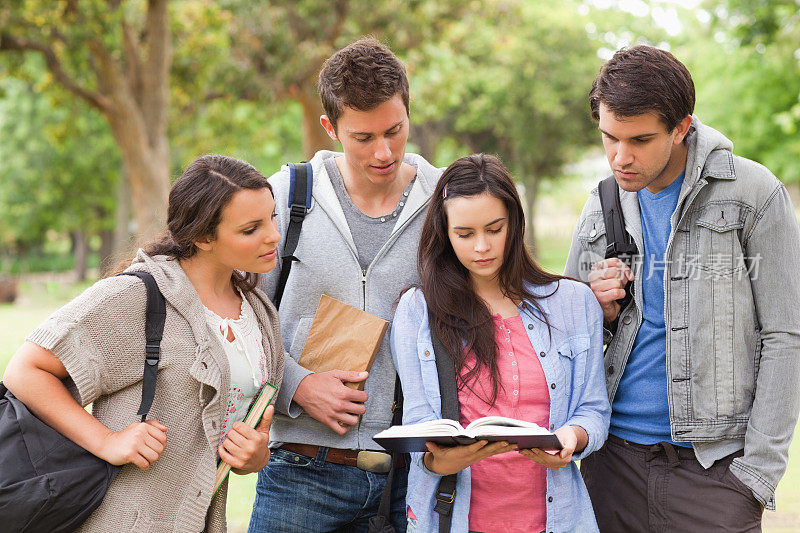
x=447 y=460
x=572 y=438
x=246 y=449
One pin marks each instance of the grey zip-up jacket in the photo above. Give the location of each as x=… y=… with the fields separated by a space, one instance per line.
x=328 y=264
x=731 y=288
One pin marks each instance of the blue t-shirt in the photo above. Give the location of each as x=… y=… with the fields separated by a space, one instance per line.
x=640 y=411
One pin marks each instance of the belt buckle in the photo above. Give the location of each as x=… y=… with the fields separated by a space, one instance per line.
x=377 y=462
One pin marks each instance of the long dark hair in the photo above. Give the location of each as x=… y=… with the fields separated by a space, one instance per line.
x=461 y=319
x=196 y=202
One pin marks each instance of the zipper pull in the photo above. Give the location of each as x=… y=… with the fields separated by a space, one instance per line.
x=364 y=288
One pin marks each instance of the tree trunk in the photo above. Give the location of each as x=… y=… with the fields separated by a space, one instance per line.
x=147 y=172
x=105 y=255
x=80 y=245
x=8 y=289
x=530 y=229
x=530 y=181
x=138 y=115
x=123 y=245
x=531 y=193
x=424 y=136
x=314 y=136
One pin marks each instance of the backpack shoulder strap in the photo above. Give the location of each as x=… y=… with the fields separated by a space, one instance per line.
x=618 y=242
x=385 y=505
x=445 y=367
x=301 y=180
x=448 y=389
x=155 y=315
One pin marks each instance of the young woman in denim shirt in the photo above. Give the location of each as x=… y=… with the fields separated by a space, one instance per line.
x=527 y=344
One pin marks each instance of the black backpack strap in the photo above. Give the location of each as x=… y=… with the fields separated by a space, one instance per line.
x=448 y=390
x=155 y=315
x=301 y=179
x=384 y=508
x=618 y=242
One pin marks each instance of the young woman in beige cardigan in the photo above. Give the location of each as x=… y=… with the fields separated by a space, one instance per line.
x=221 y=343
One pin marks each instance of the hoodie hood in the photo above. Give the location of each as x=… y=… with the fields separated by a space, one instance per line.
x=179 y=292
x=703 y=141
x=323 y=193
x=173 y=284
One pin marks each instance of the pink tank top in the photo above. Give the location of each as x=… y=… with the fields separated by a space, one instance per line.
x=508 y=490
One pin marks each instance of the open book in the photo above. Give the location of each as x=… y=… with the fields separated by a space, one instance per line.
x=412 y=438
x=254 y=414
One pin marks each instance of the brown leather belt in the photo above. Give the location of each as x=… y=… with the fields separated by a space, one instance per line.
x=343 y=457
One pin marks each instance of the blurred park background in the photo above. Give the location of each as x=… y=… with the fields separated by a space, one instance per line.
x=104 y=102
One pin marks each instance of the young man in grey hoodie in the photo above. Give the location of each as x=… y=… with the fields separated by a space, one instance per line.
x=359 y=245
x=703 y=363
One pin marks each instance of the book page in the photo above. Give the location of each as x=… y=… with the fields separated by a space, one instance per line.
x=431 y=428
x=497 y=431
x=504 y=422
x=414 y=438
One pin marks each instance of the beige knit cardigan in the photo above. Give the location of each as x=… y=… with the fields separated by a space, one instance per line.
x=99 y=337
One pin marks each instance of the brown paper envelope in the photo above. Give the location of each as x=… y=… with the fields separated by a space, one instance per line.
x=342 y=337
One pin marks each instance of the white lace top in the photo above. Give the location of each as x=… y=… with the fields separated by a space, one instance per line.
x=248 y=363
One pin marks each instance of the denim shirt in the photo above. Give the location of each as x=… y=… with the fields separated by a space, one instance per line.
x=730 y=296
x=571 y=355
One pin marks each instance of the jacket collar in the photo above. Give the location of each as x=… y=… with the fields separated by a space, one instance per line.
x=543 y=292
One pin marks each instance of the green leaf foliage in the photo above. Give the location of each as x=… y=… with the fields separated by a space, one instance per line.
x=60 y=167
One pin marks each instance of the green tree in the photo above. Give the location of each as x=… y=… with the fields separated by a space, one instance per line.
x=116 y=58
x=59 y=172
x=511 y=78
x=758 y=21
x=279 y=46
x=751 y=97
x=745 y=62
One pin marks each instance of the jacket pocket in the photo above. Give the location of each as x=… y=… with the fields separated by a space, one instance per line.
x=300 y=335
x=592 y=238
x=717 y=282
x=572 y=354
x=718 y=245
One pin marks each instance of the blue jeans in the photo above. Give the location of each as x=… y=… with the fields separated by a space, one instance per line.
x=298 y=494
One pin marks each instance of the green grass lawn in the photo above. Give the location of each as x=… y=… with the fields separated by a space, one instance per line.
x=38 y=299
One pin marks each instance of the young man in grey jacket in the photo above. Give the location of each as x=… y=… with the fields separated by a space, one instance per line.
x=359 y=245
x=703 y=363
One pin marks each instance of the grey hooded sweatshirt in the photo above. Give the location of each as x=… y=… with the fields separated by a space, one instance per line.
x=328 y=264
